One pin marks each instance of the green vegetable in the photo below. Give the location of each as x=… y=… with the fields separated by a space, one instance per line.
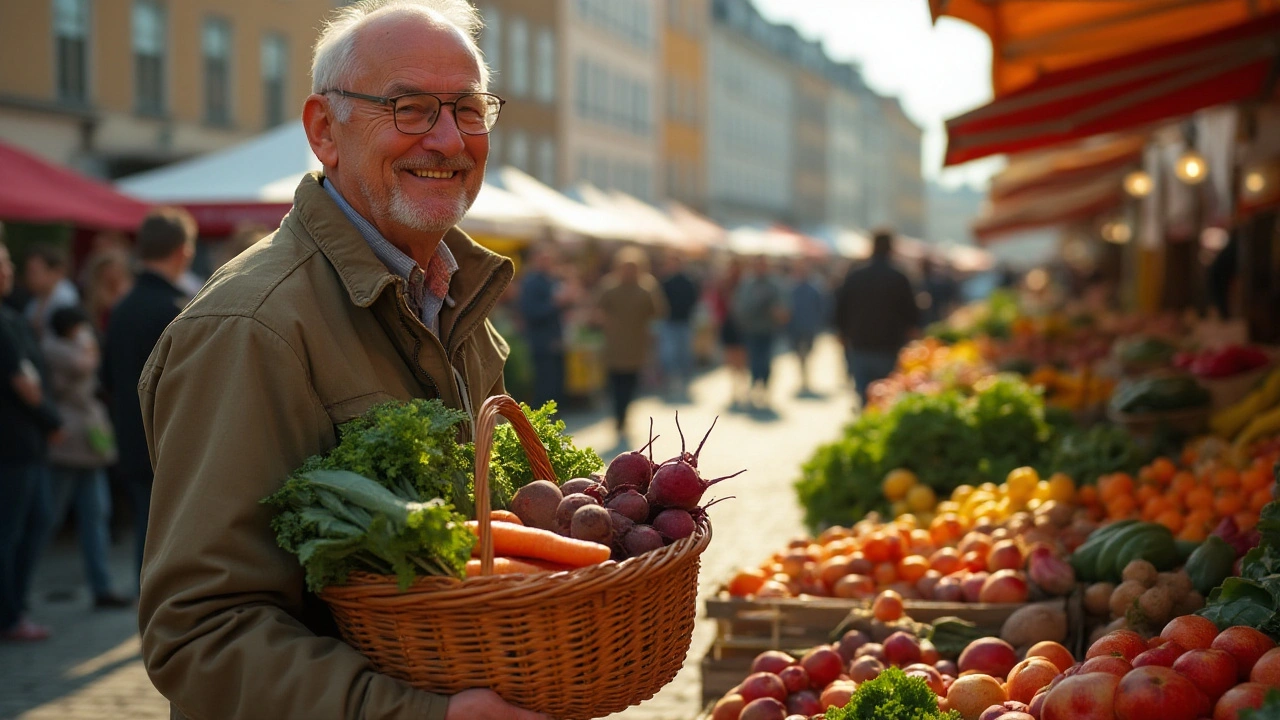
x=509 y=467
x=1156 y=394
x=1210 y=564
x=951 y=635
x=1086 y=455
x=1143 y=351
x=1253 y=598
x=1270 y=709
x=892 y=696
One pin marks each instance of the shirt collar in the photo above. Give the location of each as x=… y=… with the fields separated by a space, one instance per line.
x=396 y=261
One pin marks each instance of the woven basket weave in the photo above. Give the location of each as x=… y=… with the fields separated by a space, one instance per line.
x=576 y=644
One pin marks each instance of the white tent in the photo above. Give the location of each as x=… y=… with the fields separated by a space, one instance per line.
x=563 y=213
x=648 y=224
x=265 y=171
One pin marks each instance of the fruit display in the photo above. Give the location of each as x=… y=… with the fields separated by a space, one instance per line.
x=1254 y=417
x=1143 y=601
x=1159 y=393
x=1222 y=362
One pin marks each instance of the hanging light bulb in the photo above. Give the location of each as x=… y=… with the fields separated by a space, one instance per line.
x=1121 y=233
x=1138 y=184
x=1255 y=182
x=1191 y=168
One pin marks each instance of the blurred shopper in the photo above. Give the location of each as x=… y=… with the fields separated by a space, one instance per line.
x=27 y=420
x=106 y=280
x=876 y=314
x=44 y=272
x=682 y=293
x=629 y=302
x=166 y=244
x=809 y=315
x=941 y=288
x=731 y=341
x=86 y=447
x=543 y=299
x=760 y=310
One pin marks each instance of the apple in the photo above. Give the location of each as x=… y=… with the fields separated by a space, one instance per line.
x=1007 y=706
x=989 y=655
x=1120 y=643
x=1246 y=695
x=902 y=649
x=805 y=702
x=1082 y=697
x=929 y=674
x=1158 y=693
x=728 y=707
x=971 y=694
x=763 y=685
x=765 y=708
x=796 y=678
x=949 y=589
x=823 y=664
x=1036 y=709
x=836 y=694
x=1211 y=670
x=1246 y=645
x=928 y=653
x=1028 y=676
x=947 y=667
x=1111 y=664
x=1193 y=632
x=771 y=661
x=972 y=586
x=875 y=650
x=850 y=643
x=1054 y=653
x=1004 y=555
x=1267 y=669
x=1004 y=586
x=1163 y=655
x=865 y=668
x=926 y=584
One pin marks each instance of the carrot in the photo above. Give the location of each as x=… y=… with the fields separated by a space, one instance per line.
x=525 y=542
x=512 y=566
x=505 y=516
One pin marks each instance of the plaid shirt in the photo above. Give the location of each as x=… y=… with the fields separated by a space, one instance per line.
x=428 y=289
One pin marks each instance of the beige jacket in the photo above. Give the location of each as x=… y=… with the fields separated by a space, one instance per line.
x=302 y=332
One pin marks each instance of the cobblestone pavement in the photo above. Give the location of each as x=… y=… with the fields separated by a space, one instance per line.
x=91 y=669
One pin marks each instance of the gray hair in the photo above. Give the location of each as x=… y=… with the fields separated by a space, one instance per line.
x=332 y=61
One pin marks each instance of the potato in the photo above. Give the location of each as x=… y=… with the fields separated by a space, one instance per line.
x=1140 y=570
x=1097 y=598
x=1122 y=599
x=1156 y=604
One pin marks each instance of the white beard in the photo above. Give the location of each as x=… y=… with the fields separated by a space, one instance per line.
x=418 y=217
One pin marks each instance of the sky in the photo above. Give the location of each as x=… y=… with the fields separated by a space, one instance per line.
x=937 y=72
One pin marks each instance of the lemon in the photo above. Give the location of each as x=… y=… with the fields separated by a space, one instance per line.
x=989 y=487
x=921 y=498
x=1062 y=488
x=1034 y=504
x=1022 y=482
x=947 y=506
x=1042 y=491
x=899 y=508
x=897 y=483
x=961 y=493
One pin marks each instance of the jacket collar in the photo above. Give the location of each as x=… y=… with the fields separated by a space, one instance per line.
x=481 y=277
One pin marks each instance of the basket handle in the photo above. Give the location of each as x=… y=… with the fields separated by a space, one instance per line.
x=486 y=422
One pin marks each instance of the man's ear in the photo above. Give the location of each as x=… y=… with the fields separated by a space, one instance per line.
x=318 y=121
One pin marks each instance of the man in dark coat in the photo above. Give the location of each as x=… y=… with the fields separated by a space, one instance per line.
x=543 y=299
x=27 y=421
x=166 y=244
x=876 y=314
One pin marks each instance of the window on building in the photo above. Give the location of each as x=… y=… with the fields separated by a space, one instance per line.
x=518 y=151
x=215 y=44
x=518 y=75
x=148 y=56
x=71 y=40
x=546 y=165
x=545 y=83
x=274 y=78
x=491 y=38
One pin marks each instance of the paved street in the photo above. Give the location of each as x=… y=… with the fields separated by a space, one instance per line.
x=91 y=668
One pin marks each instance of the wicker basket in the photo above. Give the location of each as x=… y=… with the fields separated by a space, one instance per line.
x=576 y=644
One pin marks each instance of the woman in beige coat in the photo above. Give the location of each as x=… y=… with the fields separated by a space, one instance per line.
x=629 y=301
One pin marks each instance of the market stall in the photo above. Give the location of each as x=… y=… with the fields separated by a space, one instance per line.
x=33 y=190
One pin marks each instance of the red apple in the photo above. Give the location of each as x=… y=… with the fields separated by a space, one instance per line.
x=929 y=674
x=837 y=694
x=875 y=650
x=1244 y=644
x=1211 y=670
x=1028 y=676
x=1193 y=632
x=763 y=685
x=850 y=643
x=1036 y=709
x=1120 y=643
x=949 y=589
x=1158 y=693
x=989 y=655
x=1008 y=706
x=1267 y=669
x=765 y=708
x=865 y=668
x=1246 y=695
x=1004 y=586
x=771 y=661
x=972 y=586
x=823 y=664
x=1112 y=664
x=1082 y=697
x=805 y=702
x=902 y=649
x=947 y=667
x=1004 y=555
x=928 y=653
x=796 y=678
x=1163 y=655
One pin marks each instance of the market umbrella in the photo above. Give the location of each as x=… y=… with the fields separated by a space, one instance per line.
x=34 y=190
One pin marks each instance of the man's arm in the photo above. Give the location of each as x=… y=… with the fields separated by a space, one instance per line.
x=229 y=411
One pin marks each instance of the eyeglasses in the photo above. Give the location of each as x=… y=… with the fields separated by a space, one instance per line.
x=416 y=113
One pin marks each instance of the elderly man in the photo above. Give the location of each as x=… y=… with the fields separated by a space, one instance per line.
x=366 y=293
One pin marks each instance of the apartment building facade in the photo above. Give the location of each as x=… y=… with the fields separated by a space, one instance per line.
x=118 y=86
x=684 y=66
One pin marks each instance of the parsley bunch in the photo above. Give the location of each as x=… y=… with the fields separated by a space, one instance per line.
x=892 y=696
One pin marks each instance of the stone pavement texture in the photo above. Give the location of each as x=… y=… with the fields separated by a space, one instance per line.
x=90 y=669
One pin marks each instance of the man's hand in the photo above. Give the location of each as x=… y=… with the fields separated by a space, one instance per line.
x=481 y=704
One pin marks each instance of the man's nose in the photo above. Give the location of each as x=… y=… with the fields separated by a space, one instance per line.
x=445 y=138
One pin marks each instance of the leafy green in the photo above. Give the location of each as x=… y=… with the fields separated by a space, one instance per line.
x=892 y=696
x=1253 y=599
x=1087 y=454
x=1270 y=709
x=509 y=468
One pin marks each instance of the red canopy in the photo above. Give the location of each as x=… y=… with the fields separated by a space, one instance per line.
x=1049 y=206
x=36 y=191
x=1123 y=92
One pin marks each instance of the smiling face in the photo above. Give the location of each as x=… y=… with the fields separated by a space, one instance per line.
x=406 y=185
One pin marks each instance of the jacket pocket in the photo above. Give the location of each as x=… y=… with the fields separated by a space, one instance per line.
x=351 y=408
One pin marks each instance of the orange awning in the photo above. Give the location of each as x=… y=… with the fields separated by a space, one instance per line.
x=1122 y=93
x=1030 y=38
x=1069 y=166
x=1048 y=207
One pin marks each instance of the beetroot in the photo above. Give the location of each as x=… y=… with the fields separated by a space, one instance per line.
x=536 y=504
x=568 y=506
x=591 y=522
x=583 y=485
x=677 y=485
x=632 y=468
x=621 y=524
x=630 y=503
x=674 y=524
x=641 y=539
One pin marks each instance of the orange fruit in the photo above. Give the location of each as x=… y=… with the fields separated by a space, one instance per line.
x=1246 y=520
x=887 y=606
x=1163 y=470
x=1171 y=519
x=876 y=548
x=1088 y=495
x=746 y=582
x=1116 y=485
x=1194 y=532
x=1255 y=478
x=1226 y=479
x=885 y=574
x=1155 y=506
x=1199 y=497
x=1182 y=483
x=1146 y=493
x=912 y=568
x=1229 y=503
x=1259 y=499
x=1121 y=506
